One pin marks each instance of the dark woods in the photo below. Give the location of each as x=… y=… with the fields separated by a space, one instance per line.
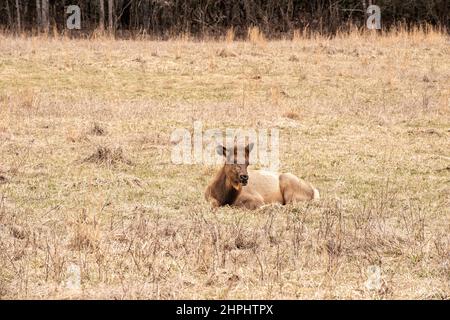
x=214 y=17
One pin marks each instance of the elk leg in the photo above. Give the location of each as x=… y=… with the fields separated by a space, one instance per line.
x=250 y=202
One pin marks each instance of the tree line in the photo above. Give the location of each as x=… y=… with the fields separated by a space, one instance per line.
x=213 y=17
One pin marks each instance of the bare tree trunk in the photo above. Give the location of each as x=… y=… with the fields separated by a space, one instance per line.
x=39 y=14
x=8 y=10
x=102 y=15
x=45 y=18
x=111 y=15
x=146 y=15
x=19 y=24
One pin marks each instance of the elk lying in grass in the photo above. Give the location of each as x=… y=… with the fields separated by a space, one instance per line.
x=234 y=185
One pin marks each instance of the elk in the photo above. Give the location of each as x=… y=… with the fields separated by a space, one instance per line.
x=237 y=186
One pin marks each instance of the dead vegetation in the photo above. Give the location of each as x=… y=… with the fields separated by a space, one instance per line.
x=108 y=156
x=85 y=232
x=292 y=115
x=97 y=130
x=273 y=251
x=224 y=53
x=375 y=143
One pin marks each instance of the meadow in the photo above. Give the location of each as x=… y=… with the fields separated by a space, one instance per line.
x=87 y=185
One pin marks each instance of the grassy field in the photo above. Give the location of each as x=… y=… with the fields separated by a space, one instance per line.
x=86 y=181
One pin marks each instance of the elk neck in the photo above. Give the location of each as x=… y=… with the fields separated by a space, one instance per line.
x=223 y=190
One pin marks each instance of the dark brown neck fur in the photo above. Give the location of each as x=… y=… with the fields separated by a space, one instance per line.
x=222 y=190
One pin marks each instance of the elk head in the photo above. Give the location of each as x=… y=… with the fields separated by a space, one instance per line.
x=236 y=163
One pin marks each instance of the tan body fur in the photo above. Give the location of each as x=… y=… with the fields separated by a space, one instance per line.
x=264 y=187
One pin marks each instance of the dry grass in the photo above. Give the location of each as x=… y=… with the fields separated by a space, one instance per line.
x=256 y=37
x=365 y=118
x=107 y=156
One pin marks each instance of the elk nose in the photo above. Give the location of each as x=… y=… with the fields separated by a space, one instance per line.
x=243 y=177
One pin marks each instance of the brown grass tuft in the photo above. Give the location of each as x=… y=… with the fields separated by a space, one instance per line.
x=256 y=37
x=230 y=35
x=108 y=156
x=292 y=115
x=224 y=53
x=86 y=232
x=97 y=130
x=3 y=179
x=294 y=58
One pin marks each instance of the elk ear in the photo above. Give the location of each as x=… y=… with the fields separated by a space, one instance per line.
x=221 y=150
x=249 y=148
